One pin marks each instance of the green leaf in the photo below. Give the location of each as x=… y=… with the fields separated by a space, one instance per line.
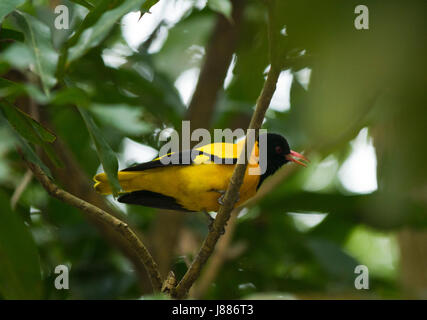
x=83 y=3
x=44 y=133
x=333 y=259
x=5 y=83
x=221 y=6
x=70 y=95
x=158 y=96
x=26 y=149
x=105 y=153
x=181 y=49
x=7 y=6
x=147 y=5
x=123 y=117
x=20 y=276
x=88 y=21
x=12 y=90
x=92 y=36
x=20 y=123
x=9 y=34
x=38 y=39
x=17 y=55
x=31 y=156
x=30 y=129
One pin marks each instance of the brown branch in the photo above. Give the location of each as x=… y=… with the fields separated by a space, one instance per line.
x=231 y=194
x=217 y=259
x=120 y=228
x=219 y=255
x=81 y=187
x=217 y=60
x=80 y=184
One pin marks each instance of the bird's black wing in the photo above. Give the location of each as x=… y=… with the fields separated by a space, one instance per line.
x=181 y=158
x=151 y=199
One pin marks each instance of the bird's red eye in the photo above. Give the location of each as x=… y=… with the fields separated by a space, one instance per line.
x=279 y=149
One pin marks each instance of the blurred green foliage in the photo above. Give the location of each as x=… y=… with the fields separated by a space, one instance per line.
x=372 y=79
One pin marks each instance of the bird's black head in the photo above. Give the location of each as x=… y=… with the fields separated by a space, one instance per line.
x=278 y=153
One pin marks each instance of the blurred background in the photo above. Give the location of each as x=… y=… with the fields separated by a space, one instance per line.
x=353 y=100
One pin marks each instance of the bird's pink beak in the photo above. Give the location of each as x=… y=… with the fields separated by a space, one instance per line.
x=291 y=157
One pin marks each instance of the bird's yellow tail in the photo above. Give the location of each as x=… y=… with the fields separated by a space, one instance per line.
x=126 y=179
x=101 y=184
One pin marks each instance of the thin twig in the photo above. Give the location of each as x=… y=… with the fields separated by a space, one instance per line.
x=21 y=188
x=122 y=229
x=217 y=259
x=231 y=194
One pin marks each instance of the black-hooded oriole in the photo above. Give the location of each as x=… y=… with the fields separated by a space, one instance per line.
x=198 y=185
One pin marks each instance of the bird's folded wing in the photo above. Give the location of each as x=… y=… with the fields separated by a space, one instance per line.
x=220 y=153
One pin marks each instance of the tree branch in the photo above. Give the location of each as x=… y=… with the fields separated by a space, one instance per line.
x=236 y=180
x=231 y=194
x=218 y=57
x=216 y=261
x=81 y=187
x=120 y=228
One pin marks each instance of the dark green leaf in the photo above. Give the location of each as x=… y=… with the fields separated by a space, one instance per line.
x=181 y=50
x=22 y=120
x=26 y=149
x=38 y=39
x=123 y=117
x=335 y=261
x=9 y=34
x=223 y=7
x=13 y=90
x=92 y=36
x=147 y=5
x=31 y=156
x=84 y=3
x=7 y=6
x=19 y=261
x=44 y=133
x=30 y=129
x=17 y=55
x=20 y=123
x=105 y=154
x=70 y=95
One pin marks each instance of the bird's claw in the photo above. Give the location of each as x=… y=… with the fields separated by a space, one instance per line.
x=221 y=197
x=221 y=200
x=222 y=194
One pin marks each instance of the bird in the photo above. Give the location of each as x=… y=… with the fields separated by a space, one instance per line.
x=198 y=185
